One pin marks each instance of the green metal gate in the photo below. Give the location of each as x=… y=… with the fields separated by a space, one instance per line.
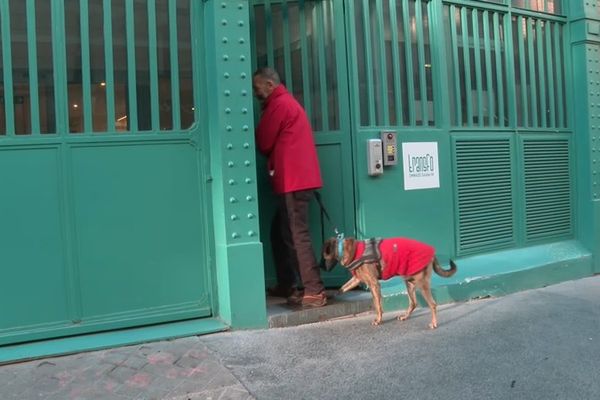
x=104 y=219
x=304 y=41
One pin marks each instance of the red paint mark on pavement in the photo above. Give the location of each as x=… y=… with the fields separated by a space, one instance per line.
x=161 y=358
x=139 y=380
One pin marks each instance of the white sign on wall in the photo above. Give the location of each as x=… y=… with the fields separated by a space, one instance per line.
x=420 y=165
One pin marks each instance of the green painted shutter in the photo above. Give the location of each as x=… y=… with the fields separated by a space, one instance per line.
x=484 y=194
x=548 y=188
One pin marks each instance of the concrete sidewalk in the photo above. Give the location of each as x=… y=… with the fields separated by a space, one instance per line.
x=537 y=344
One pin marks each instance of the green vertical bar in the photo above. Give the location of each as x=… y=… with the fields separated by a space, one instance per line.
x=174 y=48
x=9 y=108
x=153 y=65
x=304 y=56
x=131 y=68
x=109 y=67
x=511 y=89
x=488 y=67
x=408 y=57
x=455 y=63
x=369 y=61
x=252 y=34
x=85 y=66
x=396 y=63
x=559 y=75
x=499 y=68
x=421 y=58
x=33 y=68
x=523 y=72
x=269 y=33
x=541 y=72
x=383 y=63
x=59 y=60
x=467 y=67
x=531 y=59
x=549 y=63
x=477 y=53
x=320 y=34
x=287 y=52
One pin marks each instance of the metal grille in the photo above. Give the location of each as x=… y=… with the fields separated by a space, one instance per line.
x=484 y=194
x=539 y=73
x=297 y=38
x=82 y=66
x=391 y=44
x=477 y=48
x=548 y=189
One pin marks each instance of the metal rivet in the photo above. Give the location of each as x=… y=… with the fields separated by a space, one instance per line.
x=235 y=235
x=240 y=23
x=243 y=75
x=230 y=164
x=246 y=145
x=244 y=92
x=245 y=127
x=240 y=6
x=250 y=216
x=249 y=198
x=242 y=58
x=223 y=22
x=251 y=233
x=229 y=146
x=225 y=40
x=226 y=75
x=227 y=92
x=232 y=200
x=225 y=57
x=244 y=111
x=231 y=182
x=227 y=110
x=248 y=180
x=234 y=217
x=247 y=163
x=229 y=128
x=223 y=5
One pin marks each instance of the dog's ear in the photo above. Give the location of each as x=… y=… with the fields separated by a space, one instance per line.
x=328 y=256
x=349 y=250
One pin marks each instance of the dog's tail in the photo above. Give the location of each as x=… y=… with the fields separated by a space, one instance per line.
x=446 y=273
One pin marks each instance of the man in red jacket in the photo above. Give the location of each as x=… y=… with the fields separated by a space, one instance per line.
x=285 y=136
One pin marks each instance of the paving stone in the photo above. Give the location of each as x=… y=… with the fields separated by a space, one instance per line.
x=122 y=374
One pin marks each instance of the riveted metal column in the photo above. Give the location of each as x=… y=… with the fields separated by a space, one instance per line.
x=238 y=253
x=585 y=106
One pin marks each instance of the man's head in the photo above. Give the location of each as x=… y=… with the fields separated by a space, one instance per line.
x=264 y=81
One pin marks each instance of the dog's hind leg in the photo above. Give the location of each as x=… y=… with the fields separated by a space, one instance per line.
x=426 y=292
x=351 y=284
x=412 y=299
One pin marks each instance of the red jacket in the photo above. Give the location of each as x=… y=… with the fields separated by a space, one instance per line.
x=284 y=135
x=400 y=256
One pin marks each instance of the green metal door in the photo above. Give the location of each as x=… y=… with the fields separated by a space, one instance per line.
x=101 y=164
x=304 y=41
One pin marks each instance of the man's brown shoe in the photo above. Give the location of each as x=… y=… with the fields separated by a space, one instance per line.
x=314 y=300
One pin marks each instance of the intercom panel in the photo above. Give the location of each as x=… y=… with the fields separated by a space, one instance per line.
x=374 y=157
x=390 y=148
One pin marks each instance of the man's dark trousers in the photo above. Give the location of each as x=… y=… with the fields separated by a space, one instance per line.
x=292 y=246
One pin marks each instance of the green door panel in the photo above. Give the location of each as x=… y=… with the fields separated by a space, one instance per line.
x=139 y=229
x=33 y=290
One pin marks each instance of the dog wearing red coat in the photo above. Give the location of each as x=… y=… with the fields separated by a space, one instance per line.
x=374 y=259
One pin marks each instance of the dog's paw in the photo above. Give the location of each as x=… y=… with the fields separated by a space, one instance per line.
x=403 y=317
x=433 y=325
x=376 y=322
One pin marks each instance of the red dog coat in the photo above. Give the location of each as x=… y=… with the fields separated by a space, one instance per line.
x=400 y=256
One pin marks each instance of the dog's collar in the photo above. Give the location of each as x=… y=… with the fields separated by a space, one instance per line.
x=371 y=254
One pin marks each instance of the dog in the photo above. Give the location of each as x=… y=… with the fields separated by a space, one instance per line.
x=375 y=259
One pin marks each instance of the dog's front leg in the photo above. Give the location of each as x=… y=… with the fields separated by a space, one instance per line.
x=375 y=288
x=351 y=284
